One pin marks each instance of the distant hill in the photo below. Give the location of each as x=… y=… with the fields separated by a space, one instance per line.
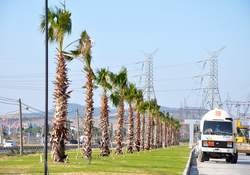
x=180 y=113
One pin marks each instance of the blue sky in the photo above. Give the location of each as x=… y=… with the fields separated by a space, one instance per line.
x=182 y=31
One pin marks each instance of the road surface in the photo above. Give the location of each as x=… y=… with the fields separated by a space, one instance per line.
x=220 y=167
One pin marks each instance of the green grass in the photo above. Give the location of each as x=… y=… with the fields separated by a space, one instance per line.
x=170 y=161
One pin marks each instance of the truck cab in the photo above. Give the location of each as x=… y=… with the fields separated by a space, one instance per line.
x=217 y=137
x=242 y=136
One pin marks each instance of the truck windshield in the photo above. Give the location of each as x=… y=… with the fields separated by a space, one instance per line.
x=217 y=128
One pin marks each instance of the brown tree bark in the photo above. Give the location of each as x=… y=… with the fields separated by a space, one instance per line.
x=59 y=131
x=138 y=132
x=153 y=133
x=161 y=134
x=157 y=132
x=130 y=129
x=104 y=124
x=88 y=124
x=149 y=132
x=119 y=137
x=165 y=135
x=143 y=132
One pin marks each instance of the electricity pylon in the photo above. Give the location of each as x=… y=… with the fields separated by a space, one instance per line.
x=210 y=91
x=149 y=76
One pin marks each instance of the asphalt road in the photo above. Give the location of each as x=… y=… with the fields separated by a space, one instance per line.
x=220 y=167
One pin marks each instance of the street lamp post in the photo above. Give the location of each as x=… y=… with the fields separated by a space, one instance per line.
x=46 y=92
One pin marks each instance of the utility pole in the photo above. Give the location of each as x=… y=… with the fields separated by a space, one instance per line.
x=46 y=127
x=21 y=126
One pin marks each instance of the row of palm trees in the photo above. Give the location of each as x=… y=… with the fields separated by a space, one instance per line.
x=153 y=128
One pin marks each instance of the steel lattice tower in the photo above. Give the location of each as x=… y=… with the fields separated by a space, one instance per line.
x=149 y=76
x=210 y=94
x=149 y=80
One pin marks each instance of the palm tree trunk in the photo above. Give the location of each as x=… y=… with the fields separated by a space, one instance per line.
x=149 y=132
x=165 y=135
x=119 y=127
x=59 y=131
x=104 y=124
x=88 y=127
x=130 y=130
x=143 y=132
x=168 y=135
x=138 y=131
x=161 y=134
x=153 y=134
x=157 y=132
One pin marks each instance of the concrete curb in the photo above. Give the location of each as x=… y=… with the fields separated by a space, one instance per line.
x=188 y=165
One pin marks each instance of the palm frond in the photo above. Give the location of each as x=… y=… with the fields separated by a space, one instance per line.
x=115 y=98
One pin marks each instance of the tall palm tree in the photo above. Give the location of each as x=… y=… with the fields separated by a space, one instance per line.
x=130 y=95
x=102 y=79
x=59 y=25
x=138 y=106
x=157 y=130
x=171 y=130
x=142 y=110
x=149 y=124
x=83 y=51
x=176 y=132
x=150 y=110
x=167 y=130
x=162 y=120
x=119 y=84
x=155 y=112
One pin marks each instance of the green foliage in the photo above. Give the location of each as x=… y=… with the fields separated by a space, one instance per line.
x=83 y=50
x=59 y=24
x=119 y=83
x=130 y=93
x=119 y=80
x=115 y=98
x=102 y=79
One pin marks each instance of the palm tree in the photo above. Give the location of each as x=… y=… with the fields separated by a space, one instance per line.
x=155 y=112
x=150 y=110
x=138 y=106
x=171 y=135
x=149 y=124
x=162 y=121
x=176 y=132
x=119 y=84
x=130 y=95
x=102 y=79
x=158 y=130
x=59 y=25
x=142 y=110
x=83 y=51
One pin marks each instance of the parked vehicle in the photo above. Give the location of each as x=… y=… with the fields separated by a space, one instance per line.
x=242 y=135
x=9 y=144
x=217 y=137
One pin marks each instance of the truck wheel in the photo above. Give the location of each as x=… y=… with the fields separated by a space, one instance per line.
x=228 y=159
x=234 y=158
x=201 y=156
x=247 y=154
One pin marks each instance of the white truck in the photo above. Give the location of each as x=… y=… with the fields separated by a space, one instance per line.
x=217 y=137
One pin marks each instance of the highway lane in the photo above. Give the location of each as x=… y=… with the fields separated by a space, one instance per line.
x=220 y=167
